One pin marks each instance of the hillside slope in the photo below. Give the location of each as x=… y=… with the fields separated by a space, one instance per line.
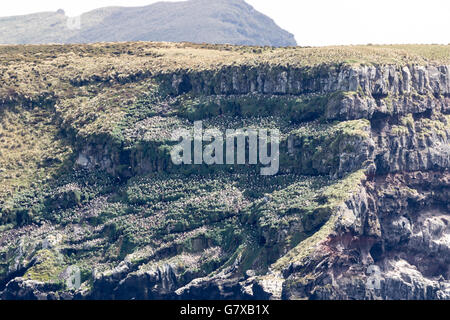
x=358 y=210
x=216 y=21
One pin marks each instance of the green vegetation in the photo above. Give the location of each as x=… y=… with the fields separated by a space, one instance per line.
x=319 y=145
x=295 y=109
x=48 y=267
x=31 y=153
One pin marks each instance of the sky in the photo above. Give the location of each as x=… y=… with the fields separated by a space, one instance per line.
x=313 y=22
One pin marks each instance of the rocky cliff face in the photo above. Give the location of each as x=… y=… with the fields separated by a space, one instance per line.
x=359 y=209
x=377 y=81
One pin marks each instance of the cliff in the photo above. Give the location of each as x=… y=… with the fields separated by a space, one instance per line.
x=358 y=210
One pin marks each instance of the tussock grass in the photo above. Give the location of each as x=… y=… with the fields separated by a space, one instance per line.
x=30 y=148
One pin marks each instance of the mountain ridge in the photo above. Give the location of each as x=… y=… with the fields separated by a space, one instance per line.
x=199 y=21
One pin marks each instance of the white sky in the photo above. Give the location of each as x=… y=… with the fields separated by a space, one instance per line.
x=313 y=22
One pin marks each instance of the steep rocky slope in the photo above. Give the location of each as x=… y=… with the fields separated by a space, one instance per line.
x=359 y=209
x=210 y=21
